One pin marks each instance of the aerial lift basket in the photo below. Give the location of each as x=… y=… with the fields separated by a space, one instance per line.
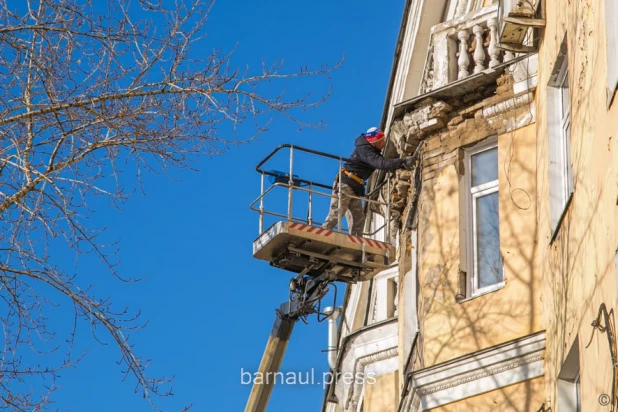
x=301 y=246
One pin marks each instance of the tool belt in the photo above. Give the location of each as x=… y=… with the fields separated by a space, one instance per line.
x=353 y=177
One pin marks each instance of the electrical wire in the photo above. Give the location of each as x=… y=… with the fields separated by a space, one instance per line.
x=511 y=151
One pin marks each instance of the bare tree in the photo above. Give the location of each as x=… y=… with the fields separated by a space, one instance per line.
x=90 y=89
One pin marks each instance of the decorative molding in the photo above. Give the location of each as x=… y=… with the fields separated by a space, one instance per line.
x=359 y=368
x=513 y=103
x=477 y=373
x=495 y=113
x=481 y=373
x=371 y=349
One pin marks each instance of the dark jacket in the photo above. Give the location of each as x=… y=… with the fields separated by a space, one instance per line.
x=364 y=160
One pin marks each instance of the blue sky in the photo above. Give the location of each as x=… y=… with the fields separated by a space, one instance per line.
x=209 y=304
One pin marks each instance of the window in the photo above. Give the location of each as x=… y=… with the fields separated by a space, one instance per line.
x=560 y=172
x=569 y=391
x=384 y=295
x=484 y=261
x=611 y=30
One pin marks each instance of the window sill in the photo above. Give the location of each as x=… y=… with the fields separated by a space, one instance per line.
x=555 y=232
x=485 y=291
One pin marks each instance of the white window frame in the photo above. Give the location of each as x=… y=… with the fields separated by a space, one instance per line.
x=377 y=226
x=565 y=128
x=611 y=31
x=569 y=382
x=560 y=172
x=384 y=295
x=471 y=194
x=578 y=392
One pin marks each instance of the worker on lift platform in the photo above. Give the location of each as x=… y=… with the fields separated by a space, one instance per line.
x=364 y=160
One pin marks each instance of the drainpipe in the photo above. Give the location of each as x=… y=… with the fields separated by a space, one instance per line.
x=333 y=315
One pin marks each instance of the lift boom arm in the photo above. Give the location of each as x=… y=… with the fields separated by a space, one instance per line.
x=271 y=363
x=306 y=292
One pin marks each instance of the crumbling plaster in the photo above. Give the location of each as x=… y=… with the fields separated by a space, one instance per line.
x=442 y=127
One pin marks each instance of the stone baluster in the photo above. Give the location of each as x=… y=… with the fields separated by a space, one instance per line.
x=494 y=52
x=464 y=60
x=479 y=50
x=508 y=56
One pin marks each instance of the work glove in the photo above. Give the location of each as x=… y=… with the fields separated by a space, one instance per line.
x=409 y=162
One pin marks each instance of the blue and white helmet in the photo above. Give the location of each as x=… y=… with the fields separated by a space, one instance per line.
x=374 y=134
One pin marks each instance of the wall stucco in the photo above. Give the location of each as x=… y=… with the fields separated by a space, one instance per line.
x=578 y=267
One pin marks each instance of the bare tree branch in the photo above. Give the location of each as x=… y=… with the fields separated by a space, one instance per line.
x=86 y=93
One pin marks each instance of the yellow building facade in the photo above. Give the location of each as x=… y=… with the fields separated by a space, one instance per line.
x=505 y=286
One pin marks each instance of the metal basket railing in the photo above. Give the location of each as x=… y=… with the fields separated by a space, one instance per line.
x=294 y=184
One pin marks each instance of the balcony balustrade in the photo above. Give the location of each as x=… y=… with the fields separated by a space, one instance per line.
x=462 y=47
